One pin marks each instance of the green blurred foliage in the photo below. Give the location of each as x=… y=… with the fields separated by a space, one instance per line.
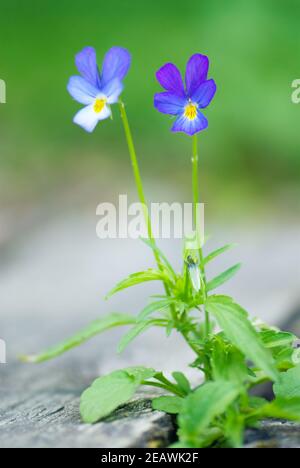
x=253 y=135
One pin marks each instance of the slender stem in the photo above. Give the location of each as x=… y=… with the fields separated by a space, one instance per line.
x=140 y=190
x=195 y=160
x=136 y=172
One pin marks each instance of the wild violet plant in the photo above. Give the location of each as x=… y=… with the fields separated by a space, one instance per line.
x=233 y=353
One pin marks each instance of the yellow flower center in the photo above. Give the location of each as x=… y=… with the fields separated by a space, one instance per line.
x=99 y=105
x=190 y=111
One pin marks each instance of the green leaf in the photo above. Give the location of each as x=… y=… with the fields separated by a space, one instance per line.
x=109 y=392
x=235 y=323
x=228 y=363
x=96 y=327
x=234 y=428
x=156 y=249
x=168 y=404
x=288 y=385
x=182 y=382
x=140 y=373
x=138 y=278
x=217 y=252
x=223 y=277
x=154 y=307
x=282 y=408
x=133 y=333
x=201 y=407
x=276 y=338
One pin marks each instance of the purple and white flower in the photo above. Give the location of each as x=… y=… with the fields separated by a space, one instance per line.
x=98 y=90
x=186 y=102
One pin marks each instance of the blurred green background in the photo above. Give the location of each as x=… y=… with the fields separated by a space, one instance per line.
x=250 y=153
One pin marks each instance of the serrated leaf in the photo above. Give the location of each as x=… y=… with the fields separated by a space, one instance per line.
x=217 y=252
x=202 y=406
x=238 y=329
x=288 y=384
x=168 y=404
x=96 y=327
x=138 y=278
x=223 y=277
x=154 y=307
x=133 y=333
x=182 y=382
x=111 y=391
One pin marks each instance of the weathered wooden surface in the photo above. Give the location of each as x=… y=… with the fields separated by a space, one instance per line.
x=274 y=434
x=39 y=407
x=51 y=284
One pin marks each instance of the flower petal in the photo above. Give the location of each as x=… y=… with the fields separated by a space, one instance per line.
x=196 y=72
x=86 y=64
x=204 y=94
x=81 y=90
x=115 y=65
x=182 y=124
x=169 y=77
x=169 y=103
x=112 y=90
x=87 y=118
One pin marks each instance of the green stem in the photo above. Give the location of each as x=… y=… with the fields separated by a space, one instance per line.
x=136 y=172
x=195 y=160
x=140 y=190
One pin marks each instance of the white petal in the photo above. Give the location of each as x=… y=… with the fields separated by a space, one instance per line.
x=87 y=118
x=105 y=113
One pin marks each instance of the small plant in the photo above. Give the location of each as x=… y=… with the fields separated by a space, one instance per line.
x=233 y=353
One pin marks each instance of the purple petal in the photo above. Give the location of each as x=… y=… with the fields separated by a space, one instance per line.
x=169 y=77
x=86 y=64
x=112 y=90
x=196 y=72
x=81 y=90
x=169 y=103
x=115 y=65
x=182 y=124
x=204 y=94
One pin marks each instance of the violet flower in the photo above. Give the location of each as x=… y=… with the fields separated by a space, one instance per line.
x=98 y=90
x=186 y=102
